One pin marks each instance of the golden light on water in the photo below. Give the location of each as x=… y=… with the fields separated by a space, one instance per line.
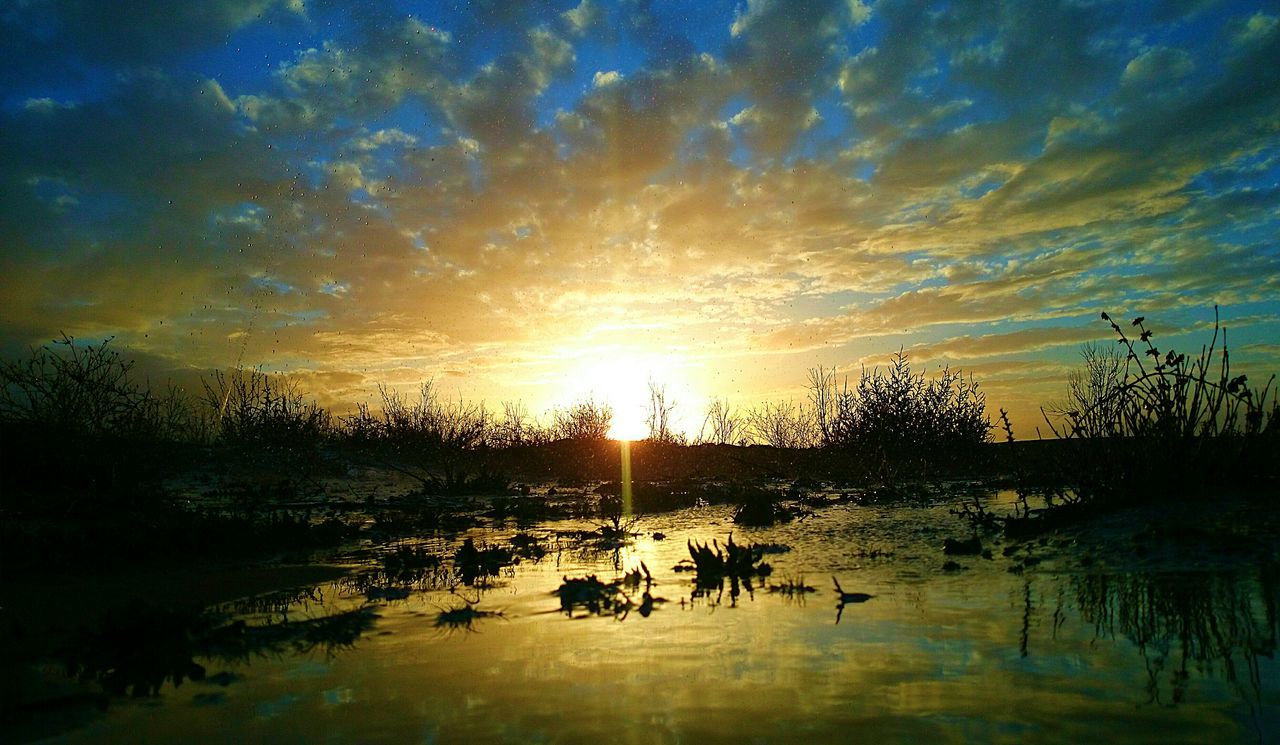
x=625 y=445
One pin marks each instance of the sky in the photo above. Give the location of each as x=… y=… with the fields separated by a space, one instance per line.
x=540 y=201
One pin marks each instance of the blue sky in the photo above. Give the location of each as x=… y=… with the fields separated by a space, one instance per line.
x=518 y=199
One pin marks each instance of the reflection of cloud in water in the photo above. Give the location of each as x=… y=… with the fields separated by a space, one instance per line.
x=932 y=656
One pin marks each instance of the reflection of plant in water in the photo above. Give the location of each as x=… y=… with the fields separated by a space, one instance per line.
x=280 y=602
x=401 y=571
x=844 y=598
x=463 y=617
x=791 y=588
x=416 y=580
x=609 y=598
x=473 y=563
x=605 y=543
x=737 y=563
x=1184 y=622
x=137 y=654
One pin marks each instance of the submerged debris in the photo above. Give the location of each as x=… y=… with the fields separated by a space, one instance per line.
x=956 y=547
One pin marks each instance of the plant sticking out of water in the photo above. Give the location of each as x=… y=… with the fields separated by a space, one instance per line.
x=735 y=560
x=632 y=579
x=477 y=562
x=761 y=507
x=528 y=546
x=608 y=598
x=1156 y=422
x=463 y=617
x=407 y=558
x=845 y=598
x=590 y=594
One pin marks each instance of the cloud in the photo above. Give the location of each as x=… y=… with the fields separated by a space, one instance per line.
x=500 y=188
x=1161 y=65
x=602 y=79
x=584 y=18
x=371 y=75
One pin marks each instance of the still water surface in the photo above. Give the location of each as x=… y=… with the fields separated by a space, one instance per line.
x=1066 y=649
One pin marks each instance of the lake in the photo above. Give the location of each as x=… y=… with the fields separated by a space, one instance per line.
x=1089 y=635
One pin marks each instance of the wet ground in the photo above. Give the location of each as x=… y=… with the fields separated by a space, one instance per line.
x=1129 y=630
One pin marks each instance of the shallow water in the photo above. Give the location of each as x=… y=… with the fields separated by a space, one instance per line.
x=1125 y=651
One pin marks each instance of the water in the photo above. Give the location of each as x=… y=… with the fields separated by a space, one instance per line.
x=1084 y=644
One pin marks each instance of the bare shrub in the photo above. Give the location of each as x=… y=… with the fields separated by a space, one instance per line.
x=253 y=409
x=721 y=425
x=782 y=424
x=78 y=411
x=517 y=428
x=427 y=438
x=90 y=391
x=658 y=417
x=585 y=420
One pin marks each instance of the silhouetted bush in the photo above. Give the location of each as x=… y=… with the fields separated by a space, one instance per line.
x=585 y=420
x=77 y=421
x=428 y=439
x=895 y=420
x=1154 y=423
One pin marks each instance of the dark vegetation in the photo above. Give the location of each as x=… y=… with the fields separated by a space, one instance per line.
x=138 y=650
x=94 y=478
x=98 y=462
x=617 y=598
x=1140 y=425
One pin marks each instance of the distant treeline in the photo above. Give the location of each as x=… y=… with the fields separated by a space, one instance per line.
x=90 y=391
x=1145 y=405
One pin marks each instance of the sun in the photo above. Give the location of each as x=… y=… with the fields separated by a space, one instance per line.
x=620 y=377
x=623 y=384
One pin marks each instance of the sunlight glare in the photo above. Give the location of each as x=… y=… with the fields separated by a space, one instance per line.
x=623 y=384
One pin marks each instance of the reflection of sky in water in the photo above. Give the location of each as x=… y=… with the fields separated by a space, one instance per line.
x=932 y=655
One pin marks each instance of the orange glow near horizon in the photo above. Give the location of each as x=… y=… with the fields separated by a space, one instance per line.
x=622 y=382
